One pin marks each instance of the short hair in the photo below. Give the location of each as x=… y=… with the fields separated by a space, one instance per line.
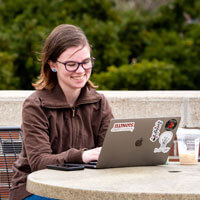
x=60 y=39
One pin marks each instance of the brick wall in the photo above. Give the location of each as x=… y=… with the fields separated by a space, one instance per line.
x=10 y=147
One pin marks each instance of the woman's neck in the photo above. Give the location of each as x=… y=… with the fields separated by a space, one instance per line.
x=71 y=95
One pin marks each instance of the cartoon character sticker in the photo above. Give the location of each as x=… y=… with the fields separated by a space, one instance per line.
x=164 y=139
x=171 y=124
x=156 y=130
x=125 y=126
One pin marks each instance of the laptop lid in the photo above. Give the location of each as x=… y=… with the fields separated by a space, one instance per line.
x=138 y=142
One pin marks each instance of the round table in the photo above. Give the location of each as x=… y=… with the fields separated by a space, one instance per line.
x=164 y=182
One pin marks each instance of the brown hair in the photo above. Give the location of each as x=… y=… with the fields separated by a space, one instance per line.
x=61 y=38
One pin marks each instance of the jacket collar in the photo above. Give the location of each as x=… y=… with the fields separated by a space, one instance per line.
x=55 y=98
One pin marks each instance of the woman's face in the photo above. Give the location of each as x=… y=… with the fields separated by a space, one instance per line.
x=73 y=80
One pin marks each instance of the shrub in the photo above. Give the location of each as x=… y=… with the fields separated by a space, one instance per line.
x=145 y=75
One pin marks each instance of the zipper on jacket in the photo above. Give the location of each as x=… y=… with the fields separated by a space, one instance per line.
x=73 y=120
x=73 y=111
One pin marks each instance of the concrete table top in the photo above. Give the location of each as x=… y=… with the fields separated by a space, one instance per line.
x=164 y=182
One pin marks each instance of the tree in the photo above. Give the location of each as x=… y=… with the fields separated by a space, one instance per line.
x=168 y=34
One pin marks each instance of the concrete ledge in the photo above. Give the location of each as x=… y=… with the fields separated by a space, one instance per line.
x=125 y=104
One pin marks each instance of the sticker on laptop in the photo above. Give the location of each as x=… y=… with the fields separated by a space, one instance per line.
x=123 y=126
x=164 y=140
x=156 y=130
x=171 y=124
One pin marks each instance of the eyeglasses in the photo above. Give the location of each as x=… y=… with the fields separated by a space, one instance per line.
x=72 y=66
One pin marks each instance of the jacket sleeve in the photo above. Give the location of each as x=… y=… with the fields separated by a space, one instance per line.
x=35 y=126
x=105 y=120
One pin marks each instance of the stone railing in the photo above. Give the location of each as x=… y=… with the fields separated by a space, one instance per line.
x=125 y=104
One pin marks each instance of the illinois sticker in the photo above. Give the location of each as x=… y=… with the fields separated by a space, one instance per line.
x=125 y=126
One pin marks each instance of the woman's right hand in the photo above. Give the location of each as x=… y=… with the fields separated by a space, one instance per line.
x=91 y=155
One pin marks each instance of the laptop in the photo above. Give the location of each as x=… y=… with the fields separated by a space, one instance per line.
x=137 y=142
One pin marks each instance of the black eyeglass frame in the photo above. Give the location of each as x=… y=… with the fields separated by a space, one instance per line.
x=92 y=60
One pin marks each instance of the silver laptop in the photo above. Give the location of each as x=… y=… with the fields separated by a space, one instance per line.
x=137 y=142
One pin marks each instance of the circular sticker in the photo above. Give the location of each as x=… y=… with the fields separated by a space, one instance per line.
x=171 y=124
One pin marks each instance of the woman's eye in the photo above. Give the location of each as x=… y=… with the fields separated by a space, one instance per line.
x=71 y=64
x=86 y=61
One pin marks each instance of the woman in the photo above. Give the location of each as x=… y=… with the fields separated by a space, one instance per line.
x=65 y=119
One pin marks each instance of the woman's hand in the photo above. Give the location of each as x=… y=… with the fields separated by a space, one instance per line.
x=91 y=155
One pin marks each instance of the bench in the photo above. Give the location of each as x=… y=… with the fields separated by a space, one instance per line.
x=10 y=147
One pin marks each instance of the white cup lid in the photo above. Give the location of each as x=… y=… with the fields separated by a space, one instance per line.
x=187 y=131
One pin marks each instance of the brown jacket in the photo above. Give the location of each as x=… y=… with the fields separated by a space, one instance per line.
x=54 y=132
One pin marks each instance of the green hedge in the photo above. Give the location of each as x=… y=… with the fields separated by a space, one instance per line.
x=148 y=75
x=164 y=41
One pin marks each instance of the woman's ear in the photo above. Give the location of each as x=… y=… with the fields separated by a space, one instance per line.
x=52 y=65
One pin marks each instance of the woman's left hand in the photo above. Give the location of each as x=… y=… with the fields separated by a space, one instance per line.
x=91 y=155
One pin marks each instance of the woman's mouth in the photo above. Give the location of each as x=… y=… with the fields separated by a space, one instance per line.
x=78 y=77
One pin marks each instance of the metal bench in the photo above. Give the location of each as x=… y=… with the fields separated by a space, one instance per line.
x=10 y=147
